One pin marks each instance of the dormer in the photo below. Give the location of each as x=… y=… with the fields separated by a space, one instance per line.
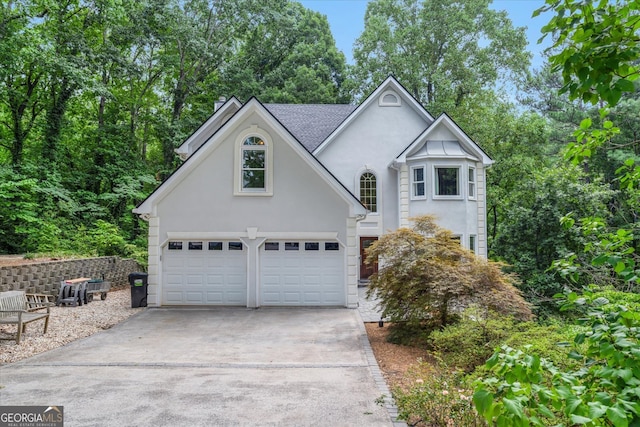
x=444 y=139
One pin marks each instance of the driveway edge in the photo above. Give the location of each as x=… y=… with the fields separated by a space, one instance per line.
x=387 y=398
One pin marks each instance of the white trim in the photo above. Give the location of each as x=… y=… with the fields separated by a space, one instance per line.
x=482 y=212
x=403 y=195
x=351 y=264
x=154 y=269
x=412 y=182
x=435 y=195
x=473 y=248
x=230 y=235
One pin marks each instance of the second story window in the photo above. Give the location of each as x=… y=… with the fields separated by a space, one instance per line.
x=254 y=164
x=369 y=191
x=472 y=183
x=447 y=181
x=418 y=182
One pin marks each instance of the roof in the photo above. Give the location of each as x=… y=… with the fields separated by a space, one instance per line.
x=310 y=124
x=464 y=143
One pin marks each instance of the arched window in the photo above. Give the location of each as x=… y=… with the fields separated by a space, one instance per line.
x=369 y=191
x=254 y=164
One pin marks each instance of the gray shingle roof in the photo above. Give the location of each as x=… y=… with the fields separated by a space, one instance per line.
x=311 y=124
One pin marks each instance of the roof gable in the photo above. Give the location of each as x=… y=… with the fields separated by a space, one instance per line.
x=462 y=146
x=253 y=106
x=390 y=84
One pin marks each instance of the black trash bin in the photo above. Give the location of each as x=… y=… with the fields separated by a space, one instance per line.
x=138 y=282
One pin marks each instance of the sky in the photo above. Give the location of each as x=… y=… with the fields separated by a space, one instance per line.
x=346 y=19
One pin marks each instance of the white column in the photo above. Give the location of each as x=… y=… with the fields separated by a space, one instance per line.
x=154 y=269
x=403 y=191
x=352 y=263
x=482 y=212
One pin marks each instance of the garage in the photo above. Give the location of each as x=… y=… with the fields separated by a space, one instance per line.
x=200 y=272
x=299 y=273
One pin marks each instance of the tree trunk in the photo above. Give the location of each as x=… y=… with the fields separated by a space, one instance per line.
x=53 y=126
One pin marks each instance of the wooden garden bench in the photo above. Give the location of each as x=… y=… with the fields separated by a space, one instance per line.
x=19 y=308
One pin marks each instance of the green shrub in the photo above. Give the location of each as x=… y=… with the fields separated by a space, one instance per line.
x=107 y=238
x=442 y=398
x=470 y=342
x=603 y=389
x=551 y=341
x=409 y=334
x=630 y=300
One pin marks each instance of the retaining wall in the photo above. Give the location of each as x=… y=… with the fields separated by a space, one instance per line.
x=45 y=277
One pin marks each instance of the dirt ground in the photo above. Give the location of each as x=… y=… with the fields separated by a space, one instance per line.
x=394 y=360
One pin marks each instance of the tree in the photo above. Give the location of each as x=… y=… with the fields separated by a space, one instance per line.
x=63 y=27
x=290 y=56
x=425 y=275
x=21 y=78
x=197 y=39
x=531 y=237
x=442 y=50
x=599 y=47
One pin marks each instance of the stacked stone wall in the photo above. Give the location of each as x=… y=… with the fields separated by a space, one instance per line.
x=45 y=277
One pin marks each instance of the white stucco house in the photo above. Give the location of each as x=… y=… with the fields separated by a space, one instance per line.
x=274 y=204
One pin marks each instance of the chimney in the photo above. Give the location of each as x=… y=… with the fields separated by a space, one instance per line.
x=219 y=103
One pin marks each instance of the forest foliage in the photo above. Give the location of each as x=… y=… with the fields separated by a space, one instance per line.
x=95 y=95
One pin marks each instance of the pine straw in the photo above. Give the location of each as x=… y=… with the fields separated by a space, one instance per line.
x=397 y=362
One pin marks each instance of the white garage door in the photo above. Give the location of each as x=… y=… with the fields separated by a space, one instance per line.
x=295 y=273
x=204 y=272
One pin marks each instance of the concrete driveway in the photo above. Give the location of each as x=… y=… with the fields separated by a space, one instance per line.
x=209 y=367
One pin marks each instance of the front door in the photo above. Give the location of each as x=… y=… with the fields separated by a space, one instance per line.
x=366 y=270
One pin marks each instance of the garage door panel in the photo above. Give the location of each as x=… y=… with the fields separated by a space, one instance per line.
x=302 y=277
x=215 y=297
x=173 y=297
x=236 y=279
x=292 y=298
x=215 y=280
x=173 y=262
x=202 y=276
x=236 y=297
x=311 y=280
x=195 y=262
x=195 y=279
x=193 y=297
